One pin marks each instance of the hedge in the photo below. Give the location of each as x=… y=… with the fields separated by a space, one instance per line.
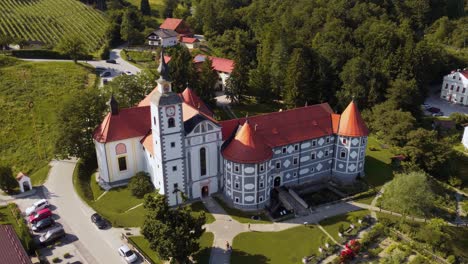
x=45 y=54
x=23 y=230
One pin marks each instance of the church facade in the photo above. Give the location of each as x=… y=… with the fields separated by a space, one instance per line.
x=175 y=138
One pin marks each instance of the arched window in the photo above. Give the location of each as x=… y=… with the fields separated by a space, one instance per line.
x=171 y=122
x=120 y=149
x=203 y=161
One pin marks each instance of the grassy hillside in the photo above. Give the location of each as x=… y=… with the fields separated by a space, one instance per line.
x=49 y=20
x=27 y=135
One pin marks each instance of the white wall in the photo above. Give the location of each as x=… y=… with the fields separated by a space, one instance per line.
x=457 y=79
x=102 y=161
x=465 y=138
x=169 y=42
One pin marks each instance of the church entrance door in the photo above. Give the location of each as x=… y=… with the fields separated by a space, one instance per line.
x=204 y=191
x=277 y=181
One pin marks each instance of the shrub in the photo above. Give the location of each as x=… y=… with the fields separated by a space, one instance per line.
x=140 y=184
x=67 y=255
x=56 y=260
x=7 y=182
x=451 y=259
x=104 y=51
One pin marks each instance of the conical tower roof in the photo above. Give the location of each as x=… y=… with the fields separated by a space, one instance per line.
x=351 y=123
x=247 y=147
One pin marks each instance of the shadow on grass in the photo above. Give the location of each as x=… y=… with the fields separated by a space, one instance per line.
x=241 y=257
x=377 y=172
x=203 y=256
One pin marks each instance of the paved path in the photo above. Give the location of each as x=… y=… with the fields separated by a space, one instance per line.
x=96 y=246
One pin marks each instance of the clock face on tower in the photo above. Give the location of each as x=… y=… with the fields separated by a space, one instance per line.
x=170 y=110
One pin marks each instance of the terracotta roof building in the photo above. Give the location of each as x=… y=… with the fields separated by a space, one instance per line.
x=11 y=250
x=174 y=137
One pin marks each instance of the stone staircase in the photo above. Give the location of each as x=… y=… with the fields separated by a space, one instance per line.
x=290 y=202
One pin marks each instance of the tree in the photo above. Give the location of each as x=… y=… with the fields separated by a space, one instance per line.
x=390 y=125
x=168 y=7
x=140 y=184
x=72 y=46
x=207 y=82
x=7 y=182
x=260 y=84
x=77 y=121
x=181 y=69
x=172 y=232
x=425 y=149
x=129 y=90
x=409 y=194
x=131 y=26
x=405 y=95
x=297 y=80
x=145 y=7
x=237 y=83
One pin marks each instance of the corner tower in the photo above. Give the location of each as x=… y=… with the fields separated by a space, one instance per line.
x=168 y=138
x=350 y=146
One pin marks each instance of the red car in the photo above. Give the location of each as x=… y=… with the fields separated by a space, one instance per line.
x=42 y=214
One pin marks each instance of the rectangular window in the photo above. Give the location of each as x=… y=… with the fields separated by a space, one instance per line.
x=237 y=199
x=236 y=168
x=312 y=156
x=326 y=153
x=328 y=139
x=453 y=76
x=446 y=86
x=314 y=143
x=262 y=167
x=261 y=198
x=122 y=164
x=174 y=168
x=461 y=99
x=464 y=90
x=295 y=161
x=344 y=141
x=458 y=88
x=176 y=186
x=236 y=185
x=172 y=144
x=278 y=165
x=296 y=147
x=294 y=174
x=451 y=87
x=284 y=149
x=343 y=154
x=261 y=184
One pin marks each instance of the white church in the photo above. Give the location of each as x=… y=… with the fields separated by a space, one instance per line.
x=175 y=138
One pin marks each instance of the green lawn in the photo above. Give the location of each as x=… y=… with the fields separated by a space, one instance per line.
x=27 y=135
x=203 y=256
x=333 y=224
x=288 y=246
x=40 y=176
x=252 y=108
x=242 y=216
x=95 y=188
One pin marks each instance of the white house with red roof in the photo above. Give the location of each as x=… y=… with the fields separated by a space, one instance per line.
x=455 y=86
x=175 y=138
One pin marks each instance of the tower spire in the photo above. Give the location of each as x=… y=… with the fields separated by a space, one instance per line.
x=163 y=68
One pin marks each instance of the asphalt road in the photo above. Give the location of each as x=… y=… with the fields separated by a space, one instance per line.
x=95 y=246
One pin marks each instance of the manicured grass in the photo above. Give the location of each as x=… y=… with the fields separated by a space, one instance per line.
x=241 y=216
x=198 y=207
x=288 y=246
x=252 y=108
x=40 y=176
x=203 y=256
x=50 y=20
x=95 y=188
x=378 y=166
x=114 y=204
x=27 y=135
x=333 y=224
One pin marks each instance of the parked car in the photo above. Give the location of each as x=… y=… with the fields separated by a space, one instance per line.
x=111 y=61
x=42 y=214
x=438 y=114
x=100 y=69
x=52 y=235
x=39 y=205
x=433 y=109
x=106 y=74
x=127 y=254
x=100 y=222
x=43 y=224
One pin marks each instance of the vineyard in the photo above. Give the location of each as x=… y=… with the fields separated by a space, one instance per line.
x=49 y=20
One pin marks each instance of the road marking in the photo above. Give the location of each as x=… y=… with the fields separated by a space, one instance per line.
x=100 y=196
x=136 y=206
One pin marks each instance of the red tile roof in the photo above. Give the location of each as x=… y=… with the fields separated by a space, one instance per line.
x=351 y=123
x=188 y=40
x=335 y=122
x=247 y=147
x=191 y=98
x=171 y=23
x=128 y=123
x=147 y=142
x=11 y=250
x=287 y=127
x=219 y=64
x=465 y=73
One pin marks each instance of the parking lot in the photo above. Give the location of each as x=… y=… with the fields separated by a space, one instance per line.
x=447 y=108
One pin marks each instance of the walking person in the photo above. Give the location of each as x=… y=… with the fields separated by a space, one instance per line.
x=227 y=246
x=248 y=226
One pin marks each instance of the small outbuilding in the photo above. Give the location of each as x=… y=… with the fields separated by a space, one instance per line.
x=24 y=182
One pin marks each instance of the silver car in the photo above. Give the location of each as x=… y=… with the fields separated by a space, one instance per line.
x=37 y=206
x=127 y=254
